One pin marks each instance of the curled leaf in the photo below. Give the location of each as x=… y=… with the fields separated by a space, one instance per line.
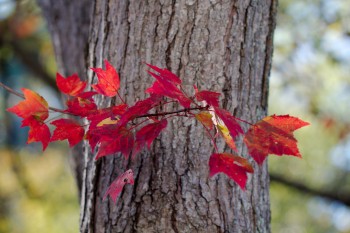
x=118 y=184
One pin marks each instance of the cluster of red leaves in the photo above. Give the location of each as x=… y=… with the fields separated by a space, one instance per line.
x=128 y=129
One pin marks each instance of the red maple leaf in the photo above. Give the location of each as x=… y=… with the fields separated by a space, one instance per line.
x=68 y=129
x=108 y=80
x=233 y=166
x=148 y=133
x=122 y=140
x=95 y=134
x=34 y=105
x=38 y=131
x=273 y=135
x=166 y=74
x=82 y=105
x=165 y=87
x=72 y=85
x=112 y=112
x=118 y=184
x=210 y=97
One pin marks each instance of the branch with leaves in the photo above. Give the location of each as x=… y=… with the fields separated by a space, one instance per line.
x=128 y=129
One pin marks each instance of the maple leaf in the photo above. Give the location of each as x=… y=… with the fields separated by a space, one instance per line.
x=38 y=131
x=118 y=184
x=34 y=105
x=205 y=118
x=273 y=135
x=68 y=129
x=108 y=80
x=166 y=74
x=111 y=113
x=72 y=85
x=233 y=166
x=210 y=97
x=165 y=87
x=148 y=133
x=82 y=105
x=121 y=140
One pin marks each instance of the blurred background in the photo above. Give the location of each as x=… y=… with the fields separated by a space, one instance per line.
x=310 y=79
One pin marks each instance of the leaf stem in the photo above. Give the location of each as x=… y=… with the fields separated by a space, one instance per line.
x=121 y=98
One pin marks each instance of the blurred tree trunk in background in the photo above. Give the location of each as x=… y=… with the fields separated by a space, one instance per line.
x=223 y=46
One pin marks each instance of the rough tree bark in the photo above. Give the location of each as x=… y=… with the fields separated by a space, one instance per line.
x=224 y=46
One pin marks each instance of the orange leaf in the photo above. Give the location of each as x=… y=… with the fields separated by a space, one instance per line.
x=273 y=135
x=34 y=105
x=206 y=119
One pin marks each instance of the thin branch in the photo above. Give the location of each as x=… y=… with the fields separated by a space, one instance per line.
x=173 y=112
x=9 y=89
x=334 y=195
x=12 y=91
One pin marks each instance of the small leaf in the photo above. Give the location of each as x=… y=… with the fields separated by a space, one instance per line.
x=71 y=85
x=273 y=135
x=38 y=131
x=233 y=166
x=206 y=119
x=68 y=129
x=118 y=184
x=34 y=105
x=108 y=80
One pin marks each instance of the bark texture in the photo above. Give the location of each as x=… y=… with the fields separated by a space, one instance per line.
x=223 y=46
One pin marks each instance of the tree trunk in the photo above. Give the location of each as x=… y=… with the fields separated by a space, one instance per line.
x=223 y=46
